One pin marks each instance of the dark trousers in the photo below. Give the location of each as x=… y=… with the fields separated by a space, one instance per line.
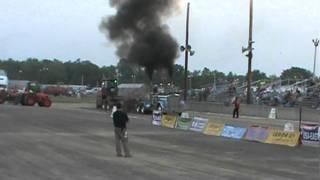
x=121 y=137
x=236 y=112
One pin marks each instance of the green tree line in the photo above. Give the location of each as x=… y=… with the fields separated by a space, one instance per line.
x=87 y=73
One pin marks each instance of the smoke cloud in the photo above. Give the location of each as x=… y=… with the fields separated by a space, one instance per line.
x=140 y=34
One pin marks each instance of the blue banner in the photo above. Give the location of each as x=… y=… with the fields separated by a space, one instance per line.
x=310 y=132
x=156 y=116
x=257 y=134
x=233 y=132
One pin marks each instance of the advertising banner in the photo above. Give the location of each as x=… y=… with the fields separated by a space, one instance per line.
x=168 y=121
x=156 y=118
x=233 y=132
x=310 y=132
x=198 y=124
x=257 y=134
x=214 y=129
x=183 y=123
x=283 y=138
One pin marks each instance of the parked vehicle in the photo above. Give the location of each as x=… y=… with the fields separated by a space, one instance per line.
x=3 y=86
x=145 y=107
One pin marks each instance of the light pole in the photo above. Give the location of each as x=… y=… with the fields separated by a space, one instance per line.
x=316 y=43
x=187 y=49
x=249 y=49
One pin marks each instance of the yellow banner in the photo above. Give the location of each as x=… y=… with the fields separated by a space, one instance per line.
x=283 y=138
x=168 y=121
x=214 y=129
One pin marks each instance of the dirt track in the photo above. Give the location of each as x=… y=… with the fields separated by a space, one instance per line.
x=76 y=143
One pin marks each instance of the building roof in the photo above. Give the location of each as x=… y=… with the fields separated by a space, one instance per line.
x=131 y=85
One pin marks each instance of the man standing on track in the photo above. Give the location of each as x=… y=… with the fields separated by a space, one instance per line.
x=120 y=120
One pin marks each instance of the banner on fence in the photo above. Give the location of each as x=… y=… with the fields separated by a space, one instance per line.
x=198 y=124
x=168 y=121
x=310 y=132
x=283 y=138
x=214 y=129
x=233 y=132
x=156 y=118
x=183 y=123
x=259 y=134
x=273 y=113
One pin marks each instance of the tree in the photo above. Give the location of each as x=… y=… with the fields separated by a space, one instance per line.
x=257 y=75
x=296 y=73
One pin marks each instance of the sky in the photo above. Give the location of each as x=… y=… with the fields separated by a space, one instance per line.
x=68 y=30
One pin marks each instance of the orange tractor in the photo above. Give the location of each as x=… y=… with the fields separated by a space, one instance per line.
x=33 y=95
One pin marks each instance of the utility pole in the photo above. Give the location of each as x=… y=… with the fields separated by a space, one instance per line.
x=316 y=43
x=249 y=55
x=186 y=56
x=82 y=79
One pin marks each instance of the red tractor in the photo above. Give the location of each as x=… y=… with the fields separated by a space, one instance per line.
x=33 y=95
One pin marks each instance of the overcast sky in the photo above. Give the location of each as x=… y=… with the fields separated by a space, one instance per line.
x=68 y=29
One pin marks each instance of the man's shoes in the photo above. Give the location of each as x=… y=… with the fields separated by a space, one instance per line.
x=127 y=156
x=119 y=155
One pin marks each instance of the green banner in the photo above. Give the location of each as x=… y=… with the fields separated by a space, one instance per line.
x=184 y=123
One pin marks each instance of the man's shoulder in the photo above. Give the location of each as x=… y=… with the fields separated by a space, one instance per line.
x=120 y=112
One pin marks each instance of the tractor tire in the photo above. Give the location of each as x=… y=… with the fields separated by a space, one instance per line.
x=2 y=97
x=2 y=100
x=46 y=102
x=30 y=101
x=138 y=109
x=22 y=99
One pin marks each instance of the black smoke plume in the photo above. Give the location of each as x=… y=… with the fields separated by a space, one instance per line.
x=139 y=32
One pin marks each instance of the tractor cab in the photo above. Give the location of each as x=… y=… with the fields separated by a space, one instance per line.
x=32 y=88
x=109 y=87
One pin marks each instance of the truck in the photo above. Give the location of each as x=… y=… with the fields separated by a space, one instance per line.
x=3 y=85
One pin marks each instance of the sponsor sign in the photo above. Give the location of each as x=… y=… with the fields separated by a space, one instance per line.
x=310 y=132
x=273 y=113
x=233 y=132
x=156 y=116
x=183 y=123
x=185 y=115
x=214 y=129
x=198 y=124
x=168 y=121
x=283 y=138
x=257 y=134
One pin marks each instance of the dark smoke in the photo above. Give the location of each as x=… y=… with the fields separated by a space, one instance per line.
x=140 y=34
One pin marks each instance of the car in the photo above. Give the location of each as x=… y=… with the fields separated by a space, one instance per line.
x=145 y=107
